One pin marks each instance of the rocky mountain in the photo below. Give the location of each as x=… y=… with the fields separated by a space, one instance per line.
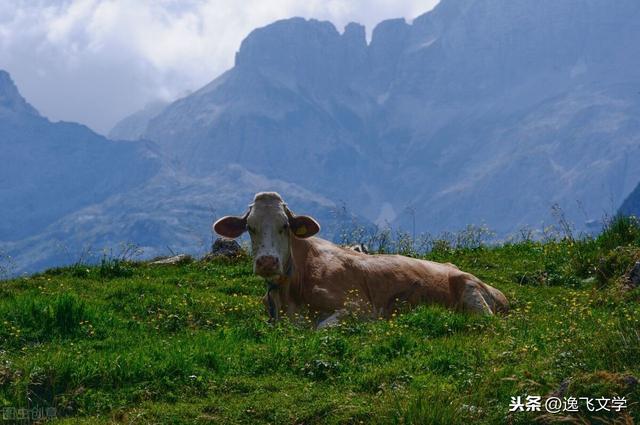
x=170 y=212
x=69 y=194
x=11 y=102
x=53 y=169
x=480 y=111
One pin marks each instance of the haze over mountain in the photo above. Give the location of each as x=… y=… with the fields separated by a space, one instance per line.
x=480 y=111
x=133 y=126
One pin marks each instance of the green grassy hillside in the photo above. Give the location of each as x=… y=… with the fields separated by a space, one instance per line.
x=141 y=344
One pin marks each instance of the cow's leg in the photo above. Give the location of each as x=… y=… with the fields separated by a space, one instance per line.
x=474 y=300
x=272 y=304
x=277 y=302
x=332 y=320
x=470 y=295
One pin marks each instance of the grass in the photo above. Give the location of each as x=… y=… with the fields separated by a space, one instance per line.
x=125 y=342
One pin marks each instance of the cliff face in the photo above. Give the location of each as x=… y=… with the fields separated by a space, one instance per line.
x=478 y=111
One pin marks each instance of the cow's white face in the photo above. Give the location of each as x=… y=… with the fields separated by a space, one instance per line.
x=270 y=225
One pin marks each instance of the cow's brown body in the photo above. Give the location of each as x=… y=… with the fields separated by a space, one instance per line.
x=329 y=279
x=305 y=271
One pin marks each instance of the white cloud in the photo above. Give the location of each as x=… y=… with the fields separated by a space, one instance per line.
x=94 y=61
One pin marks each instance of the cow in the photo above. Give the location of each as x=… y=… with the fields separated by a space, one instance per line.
x=306 y=272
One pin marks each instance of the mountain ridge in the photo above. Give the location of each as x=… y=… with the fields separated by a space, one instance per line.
x=70 y=194
x=51 y=169
x=478 y=112
x=11 y=101
x=421 y=113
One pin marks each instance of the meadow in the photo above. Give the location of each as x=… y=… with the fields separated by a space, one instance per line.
x=128 y=342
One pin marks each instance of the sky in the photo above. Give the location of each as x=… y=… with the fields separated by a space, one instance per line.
x=97 y=61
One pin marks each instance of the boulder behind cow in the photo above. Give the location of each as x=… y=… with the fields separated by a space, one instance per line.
x=176 y=259
x=224 y=247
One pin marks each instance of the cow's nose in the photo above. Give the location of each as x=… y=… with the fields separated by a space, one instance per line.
x=267 y=265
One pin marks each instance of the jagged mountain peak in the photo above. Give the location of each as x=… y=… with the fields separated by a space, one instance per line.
x=285 y=43
x=311 y=52
x=10 y=98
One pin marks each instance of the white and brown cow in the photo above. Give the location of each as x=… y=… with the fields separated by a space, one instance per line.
x=303 y=271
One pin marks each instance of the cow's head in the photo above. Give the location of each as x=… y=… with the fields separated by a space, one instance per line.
x=271 y=225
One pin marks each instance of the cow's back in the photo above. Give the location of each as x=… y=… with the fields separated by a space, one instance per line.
x=396 y=280
x=335 y=277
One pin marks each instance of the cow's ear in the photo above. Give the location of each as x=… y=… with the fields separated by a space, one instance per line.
x=230 y=226
x=303 y=226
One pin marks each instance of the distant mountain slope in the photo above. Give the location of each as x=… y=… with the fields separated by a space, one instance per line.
x=69 y=194
x=51 y=169
x=631 y=205
x=133 y=126
x=478 y=111
x=12 y=104
x=170 y=212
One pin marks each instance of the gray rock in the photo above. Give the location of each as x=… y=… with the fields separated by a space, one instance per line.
x=176 y=259
x=225 y=247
